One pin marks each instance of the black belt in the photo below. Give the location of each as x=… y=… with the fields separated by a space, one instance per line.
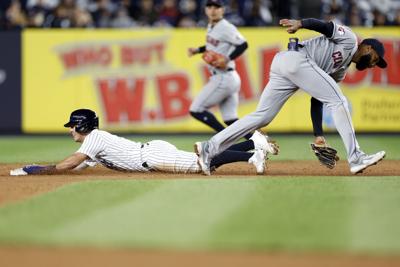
x=214 y=72
x=144 y=164
x=145 y=144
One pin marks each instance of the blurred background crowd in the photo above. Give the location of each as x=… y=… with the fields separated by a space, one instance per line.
x=18 y=14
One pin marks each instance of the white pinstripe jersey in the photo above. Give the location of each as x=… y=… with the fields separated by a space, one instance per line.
x=121 y=154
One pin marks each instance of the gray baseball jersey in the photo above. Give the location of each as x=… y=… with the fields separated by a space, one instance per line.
x=223 y=86
x=310 y=69
x=333 y=55
x=121 y=154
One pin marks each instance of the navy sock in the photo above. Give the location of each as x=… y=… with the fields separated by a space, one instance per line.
x=209 y=119
x=243 y=146
x=229 y=156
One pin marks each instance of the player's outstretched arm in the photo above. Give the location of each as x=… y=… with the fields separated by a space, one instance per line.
x=69 y=163
x=292 y=25
x=326 y=28
x=316 y=112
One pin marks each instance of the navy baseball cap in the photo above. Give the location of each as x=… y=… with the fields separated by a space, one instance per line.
x=380 y=50
x=218 y=3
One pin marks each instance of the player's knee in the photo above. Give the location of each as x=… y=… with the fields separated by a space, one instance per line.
x=341 y=102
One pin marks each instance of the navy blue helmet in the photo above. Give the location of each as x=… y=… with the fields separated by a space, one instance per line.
x=84 y=120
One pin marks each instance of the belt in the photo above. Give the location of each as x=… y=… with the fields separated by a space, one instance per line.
x=294 y=45
x=145 y=144
x=144 y=164
x=214 y=72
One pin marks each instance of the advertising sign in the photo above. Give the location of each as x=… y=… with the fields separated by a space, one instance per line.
x=143 y=80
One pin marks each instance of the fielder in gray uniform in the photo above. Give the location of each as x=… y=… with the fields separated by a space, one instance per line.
x=223 y=86
x=121 y=154
x=315 y=66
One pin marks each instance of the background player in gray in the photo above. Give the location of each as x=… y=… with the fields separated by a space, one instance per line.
x=121 y=154
x=316 y=67
x=223 y=86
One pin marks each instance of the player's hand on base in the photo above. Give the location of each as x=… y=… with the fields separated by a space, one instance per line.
x=30 y=169
x=292 y=25
x=18 y=172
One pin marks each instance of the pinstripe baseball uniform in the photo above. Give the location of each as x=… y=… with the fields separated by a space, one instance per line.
x=223 y=86
x=121 y=154
x=311 y=68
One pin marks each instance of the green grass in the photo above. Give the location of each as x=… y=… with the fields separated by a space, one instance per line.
x=308 y=214
x=51 y=149
x=351 y=214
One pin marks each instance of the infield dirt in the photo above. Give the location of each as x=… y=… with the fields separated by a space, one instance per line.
x=14 y=189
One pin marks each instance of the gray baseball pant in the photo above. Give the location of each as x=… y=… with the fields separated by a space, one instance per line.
x=291 y=70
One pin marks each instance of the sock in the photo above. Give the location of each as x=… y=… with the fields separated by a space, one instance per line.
x=229 y=156
x=209 y=119
x=243 y=146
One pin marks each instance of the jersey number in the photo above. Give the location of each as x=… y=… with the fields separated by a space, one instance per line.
x=337 y=58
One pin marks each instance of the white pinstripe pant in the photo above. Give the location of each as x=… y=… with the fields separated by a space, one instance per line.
x=162 y=156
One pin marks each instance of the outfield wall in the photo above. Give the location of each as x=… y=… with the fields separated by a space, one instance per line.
x=143 y=80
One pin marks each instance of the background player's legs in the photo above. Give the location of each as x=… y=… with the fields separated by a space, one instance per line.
x=208 y=118
x=275 y=94
x=320 y=85
x=218 y=89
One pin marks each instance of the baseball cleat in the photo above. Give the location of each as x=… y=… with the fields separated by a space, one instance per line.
x=262 y=142
x=201 y=149
x=258 y=160
x=366 y=161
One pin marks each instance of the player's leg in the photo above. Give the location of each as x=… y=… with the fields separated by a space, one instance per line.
x=163 y=156
x=257 y=158
x=211 y=95
x=257 y=141
x=275 y=94
x=320 y=85
x=229 y=108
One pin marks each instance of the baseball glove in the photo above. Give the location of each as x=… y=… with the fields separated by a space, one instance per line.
x=215 y=59
x=326 y=155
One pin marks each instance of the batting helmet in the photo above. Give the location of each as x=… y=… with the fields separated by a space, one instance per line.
x=84 y=120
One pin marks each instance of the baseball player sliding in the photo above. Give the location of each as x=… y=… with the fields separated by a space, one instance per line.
x=316 y=65
x=224 y=43
x=121 y=154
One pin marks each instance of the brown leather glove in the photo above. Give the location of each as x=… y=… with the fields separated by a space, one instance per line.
x=215 y=59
